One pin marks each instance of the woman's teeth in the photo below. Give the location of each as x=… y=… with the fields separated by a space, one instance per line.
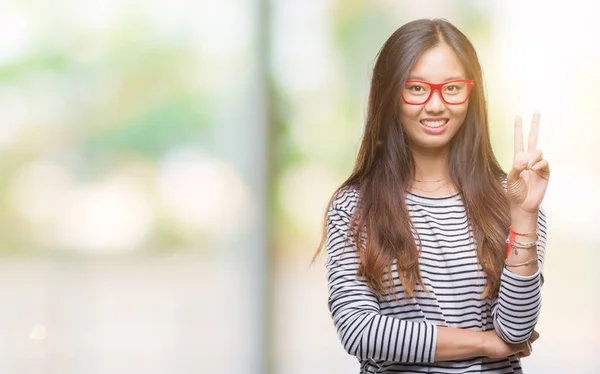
x=434 y=124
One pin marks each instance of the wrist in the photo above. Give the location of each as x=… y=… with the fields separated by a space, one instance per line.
x=519 y=212
x=483 y=347
x=523 y=220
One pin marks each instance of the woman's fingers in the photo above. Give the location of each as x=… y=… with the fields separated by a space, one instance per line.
x=533 y=132
x=534 y=157
x=518 y=135
x=542 y=169
x=531 y=160
x=534 y=336
x=526 y=347
x=526 y=350
x=533 y=135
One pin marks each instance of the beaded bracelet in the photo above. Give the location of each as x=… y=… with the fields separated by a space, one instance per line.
x=526 y=263
x=520 y=245
x=526 y=244
x=525 y=233
x=511 y=239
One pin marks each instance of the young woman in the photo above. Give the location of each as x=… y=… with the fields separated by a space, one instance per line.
x=434 y=254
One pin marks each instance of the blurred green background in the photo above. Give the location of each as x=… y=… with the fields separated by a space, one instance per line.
x=164 y=168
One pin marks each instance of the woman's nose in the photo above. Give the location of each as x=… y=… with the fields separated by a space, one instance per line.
x=435 y=103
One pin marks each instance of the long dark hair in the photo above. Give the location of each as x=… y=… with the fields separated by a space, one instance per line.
x=385 y=165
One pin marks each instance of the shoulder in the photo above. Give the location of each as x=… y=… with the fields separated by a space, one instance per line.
x=345 y=200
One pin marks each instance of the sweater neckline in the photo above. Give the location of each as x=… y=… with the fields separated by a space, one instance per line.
x=437 y=200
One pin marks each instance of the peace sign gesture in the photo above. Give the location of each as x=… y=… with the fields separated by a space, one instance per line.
x=528 y=179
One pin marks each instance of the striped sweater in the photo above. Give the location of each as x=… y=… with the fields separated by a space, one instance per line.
x=398 y=335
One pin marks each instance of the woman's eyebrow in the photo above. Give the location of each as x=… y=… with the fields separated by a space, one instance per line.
x=419 y=78
x=454 y=77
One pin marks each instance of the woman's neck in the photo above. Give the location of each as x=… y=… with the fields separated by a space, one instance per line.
x=430 y=164
x=431 y=176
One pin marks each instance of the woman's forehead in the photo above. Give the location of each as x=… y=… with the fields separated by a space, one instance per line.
x=438 y=64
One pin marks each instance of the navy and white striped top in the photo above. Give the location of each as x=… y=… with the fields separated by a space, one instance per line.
x=398 y=335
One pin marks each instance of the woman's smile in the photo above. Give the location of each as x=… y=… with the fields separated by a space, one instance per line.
x=435 y=126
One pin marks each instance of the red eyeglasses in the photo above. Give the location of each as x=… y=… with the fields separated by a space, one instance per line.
x=454 y=92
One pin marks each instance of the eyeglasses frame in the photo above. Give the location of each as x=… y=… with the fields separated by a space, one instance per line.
x=438 y=87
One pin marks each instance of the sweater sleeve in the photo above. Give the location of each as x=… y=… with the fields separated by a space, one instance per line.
x=362 y=329
x=515 y=312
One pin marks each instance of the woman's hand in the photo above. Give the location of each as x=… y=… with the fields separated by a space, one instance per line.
x=534 y=336
x=495 y=347
x=528 y=179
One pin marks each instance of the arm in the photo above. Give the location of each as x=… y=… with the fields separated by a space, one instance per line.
x=367 y=334
x=456 y=344
x=362 y=329
x=516 y=310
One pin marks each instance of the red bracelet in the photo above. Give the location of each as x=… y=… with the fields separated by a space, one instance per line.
x=521 y=234
x=511 y=238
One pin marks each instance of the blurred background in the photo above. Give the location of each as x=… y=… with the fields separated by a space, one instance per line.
x=164 y=169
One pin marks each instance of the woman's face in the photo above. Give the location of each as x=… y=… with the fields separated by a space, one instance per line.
x=434 y=123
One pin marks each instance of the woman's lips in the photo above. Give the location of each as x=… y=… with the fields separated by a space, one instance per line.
x=435 y=126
